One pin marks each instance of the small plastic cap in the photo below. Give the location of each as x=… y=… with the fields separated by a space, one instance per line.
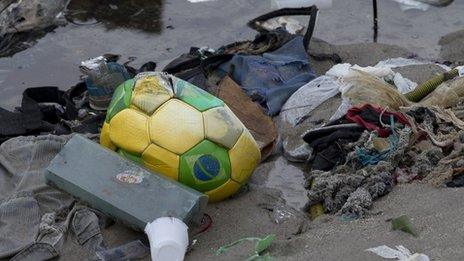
x=168 y=239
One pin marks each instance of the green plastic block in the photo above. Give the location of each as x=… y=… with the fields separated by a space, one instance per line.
x=194 y=96
x=121 y=188
x=205 y=167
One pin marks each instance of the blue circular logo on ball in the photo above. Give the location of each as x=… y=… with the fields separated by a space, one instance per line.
x=206 y=168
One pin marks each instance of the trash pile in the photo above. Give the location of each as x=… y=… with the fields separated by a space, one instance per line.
x=383 y=138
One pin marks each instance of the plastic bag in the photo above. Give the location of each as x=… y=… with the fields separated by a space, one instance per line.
x=404 y=85
x=412 y=4
x=401 y=61
x=346 y=69
x=400 y=253
x=446 y=95
x=308 y=97
x=367 y=88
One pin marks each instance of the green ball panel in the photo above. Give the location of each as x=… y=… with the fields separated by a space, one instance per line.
x=130 y=156
x=194 y=96
x=121 y=99
x=205 y=167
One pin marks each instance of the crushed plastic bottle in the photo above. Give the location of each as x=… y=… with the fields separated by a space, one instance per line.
x=103 y=77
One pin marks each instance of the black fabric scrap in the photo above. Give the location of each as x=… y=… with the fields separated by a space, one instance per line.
x=48 y=110
x=328 y=150
x=457 y=182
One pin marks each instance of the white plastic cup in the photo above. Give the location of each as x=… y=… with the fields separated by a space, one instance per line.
x=168 y=239
x=321 y=4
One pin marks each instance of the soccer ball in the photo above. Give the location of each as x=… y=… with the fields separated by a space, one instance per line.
x=176 y=129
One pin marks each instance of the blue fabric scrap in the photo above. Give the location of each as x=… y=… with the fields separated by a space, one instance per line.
x=273 y=77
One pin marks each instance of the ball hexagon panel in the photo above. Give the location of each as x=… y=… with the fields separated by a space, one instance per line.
x=129 y=130
x=225 y=190
x=105 y=137
x=176 y=126
x=150 y=91
x=194 y=96
x=222 y=126
x=244 y=157
x=131 y=156
x=204 y=167
x=162 y=161
x=121 y=99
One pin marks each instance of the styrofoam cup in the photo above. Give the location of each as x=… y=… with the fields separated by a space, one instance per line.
x=168 y=239
x=321 y=4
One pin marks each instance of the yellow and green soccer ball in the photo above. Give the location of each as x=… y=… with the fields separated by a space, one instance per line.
x=176 y=129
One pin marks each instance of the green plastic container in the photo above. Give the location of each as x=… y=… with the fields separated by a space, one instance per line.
x=121 y=188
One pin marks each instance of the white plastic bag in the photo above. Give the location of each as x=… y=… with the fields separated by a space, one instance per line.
x=345 y=69
x=308 y=97
x=400 y=253
x=404 y=85
x=412 y=4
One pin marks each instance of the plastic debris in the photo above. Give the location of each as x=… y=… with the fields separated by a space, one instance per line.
x=168 y=239
x=403 y=223
x=337 y=80
x=400 y=253
x=412 y=4
x=367 y=88
x=345 y=69
x=400 y=62
x=437 y=3
x=423 y=5
x=103 y=76
x=290 y=24
x=261 y=245
x=404 y=85
x=446 y=95
x=430 y=85
x=125 y=183
x=308 y=97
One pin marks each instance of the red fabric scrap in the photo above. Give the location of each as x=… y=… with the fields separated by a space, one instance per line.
x=354 y=115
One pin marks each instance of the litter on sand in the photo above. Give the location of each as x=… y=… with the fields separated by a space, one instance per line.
x=400 y=253
x=262 y=244
x=403 y=223
x=153 y=156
